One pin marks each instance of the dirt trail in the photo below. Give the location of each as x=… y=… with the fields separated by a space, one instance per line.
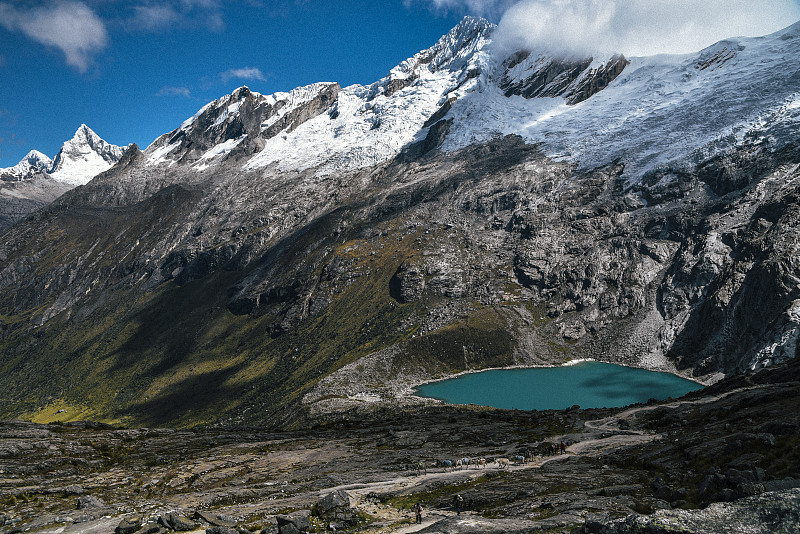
x=623 y=437
x=388 y=515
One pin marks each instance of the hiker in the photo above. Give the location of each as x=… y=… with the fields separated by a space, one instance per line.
x=418 y=512
x=563 y=448
x=458 y=501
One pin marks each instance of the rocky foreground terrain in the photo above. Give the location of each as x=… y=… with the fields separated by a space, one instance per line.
x=725 y=459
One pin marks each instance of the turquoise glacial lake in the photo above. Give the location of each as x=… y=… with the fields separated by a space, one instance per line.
x=588 y=384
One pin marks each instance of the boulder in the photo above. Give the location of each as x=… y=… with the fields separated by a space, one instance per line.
x=89 y=501
x=294 y=522
x=288 y=528
x=151 y=528
x=335 y=506
x=215 y=520
x=129 y=525
x=661 y=490
x=177 y=522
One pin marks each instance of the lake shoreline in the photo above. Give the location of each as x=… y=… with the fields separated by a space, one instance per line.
x=660 y=385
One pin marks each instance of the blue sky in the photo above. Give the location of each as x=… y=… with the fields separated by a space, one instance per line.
x=135 y=69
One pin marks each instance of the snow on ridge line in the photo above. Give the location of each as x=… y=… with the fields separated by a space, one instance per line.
x=661 y=111
x=359 y=110
x=223 y=110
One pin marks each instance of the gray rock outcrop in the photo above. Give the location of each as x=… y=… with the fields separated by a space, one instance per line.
x=768 y=513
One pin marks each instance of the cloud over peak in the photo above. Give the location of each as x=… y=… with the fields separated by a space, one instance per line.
x=631 y=27
x=174 y=91
x=245 y=73
x=68 y=25
x=639 y=27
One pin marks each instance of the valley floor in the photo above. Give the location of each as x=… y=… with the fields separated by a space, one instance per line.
x=732 y=446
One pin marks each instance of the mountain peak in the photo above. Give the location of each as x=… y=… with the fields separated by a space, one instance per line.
x=33 y=163
x=83 y=157
x=34 y=156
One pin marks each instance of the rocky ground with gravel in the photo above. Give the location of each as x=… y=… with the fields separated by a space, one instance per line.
x=727 y=454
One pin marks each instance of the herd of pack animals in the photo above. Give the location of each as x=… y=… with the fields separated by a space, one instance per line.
x=480 y=463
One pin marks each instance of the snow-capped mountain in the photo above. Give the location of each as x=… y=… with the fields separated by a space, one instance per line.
x=324 y=125
x=34 y=163
x=83 y=157
x=37 y=180
x=587 y=110
x=79 y=160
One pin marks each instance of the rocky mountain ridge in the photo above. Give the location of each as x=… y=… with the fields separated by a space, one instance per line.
x=312 y=251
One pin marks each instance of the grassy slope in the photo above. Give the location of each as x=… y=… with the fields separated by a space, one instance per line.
x=177 y=355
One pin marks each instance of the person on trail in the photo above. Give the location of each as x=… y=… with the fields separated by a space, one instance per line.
x=563 y=448
x=418 y=512
x=458 y=501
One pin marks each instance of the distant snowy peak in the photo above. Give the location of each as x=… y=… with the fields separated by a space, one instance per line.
x=83 y=157
x=34 y=163
x=79 y=160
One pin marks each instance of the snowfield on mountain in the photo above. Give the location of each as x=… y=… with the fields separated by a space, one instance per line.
x=660 y=112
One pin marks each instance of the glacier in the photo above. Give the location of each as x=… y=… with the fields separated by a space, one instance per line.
x=663 y=112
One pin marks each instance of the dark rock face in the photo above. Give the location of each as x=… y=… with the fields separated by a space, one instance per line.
x=597 y=79
x=397 y=84
x=548 y=79
x=408 y=283
x=532 y=77
x=661 y=273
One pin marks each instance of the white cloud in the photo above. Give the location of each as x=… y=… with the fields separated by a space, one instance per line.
x=632 y=27
x=246 y=73
x=174 y=91
x=162 y=15
x=639 y=27
x=154 y=18
x=70 y=26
